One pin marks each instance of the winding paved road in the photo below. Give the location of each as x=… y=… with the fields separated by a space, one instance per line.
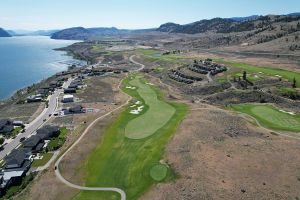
x=68 y=183
x=36 y=123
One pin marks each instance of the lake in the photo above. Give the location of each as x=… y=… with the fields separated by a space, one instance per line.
x=28 y=59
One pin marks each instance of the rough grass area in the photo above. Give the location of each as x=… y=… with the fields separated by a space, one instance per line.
x=126 y=163
x=289 y=75
x=158 y=113
x=57 y=142
x=154 y=55
x=270 y=117
x=43 y=161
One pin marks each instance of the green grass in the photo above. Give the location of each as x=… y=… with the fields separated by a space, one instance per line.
x=158 y=172
x=63 y=133
x=152 y=55
x=57 y=142
x=270 y=117
x=16 y=131
x=289 y=75
x=125 y=163
x=286 y=90
x=43 y=161
x=159 y=113
x=97 y=49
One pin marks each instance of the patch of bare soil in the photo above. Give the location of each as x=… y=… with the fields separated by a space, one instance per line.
x=218 y=155
x=21 y=111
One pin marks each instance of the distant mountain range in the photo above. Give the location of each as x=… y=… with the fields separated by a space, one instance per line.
x=28 y=33
x=4 y=33
x=217 y=25
x=80 y=33
x=228 y=25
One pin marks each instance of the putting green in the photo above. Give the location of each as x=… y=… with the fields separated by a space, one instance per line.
x=158 y=172
x=270 y=117
x=157 y=115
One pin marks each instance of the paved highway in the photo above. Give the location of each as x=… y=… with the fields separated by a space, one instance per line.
x=36 y=123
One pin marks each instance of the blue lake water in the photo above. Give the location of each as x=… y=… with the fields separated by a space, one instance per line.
x=28 y=59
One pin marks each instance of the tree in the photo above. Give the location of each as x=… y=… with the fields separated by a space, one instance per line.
x=244 y=75
x=294 y=83
x=1 y=140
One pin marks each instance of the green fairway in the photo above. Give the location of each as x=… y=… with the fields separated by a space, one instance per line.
x=158 y=114
x=270 y=117
x=125 y=163
x=289 y=75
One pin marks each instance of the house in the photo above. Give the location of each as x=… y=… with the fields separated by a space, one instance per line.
x=74 y=110
x=43 y=92
x=18 y=123
x=68 y=98
x=6 y=126
x=17 y=164
x=18 y=159
x=48 y=132
x=34 y=143
x=34 y=98
x=70 y=91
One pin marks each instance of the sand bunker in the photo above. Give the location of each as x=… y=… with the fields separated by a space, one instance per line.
x=137 y=111
x=290 y=113
x=129 y=87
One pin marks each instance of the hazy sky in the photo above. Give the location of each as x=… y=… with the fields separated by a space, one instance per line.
x=52 y=14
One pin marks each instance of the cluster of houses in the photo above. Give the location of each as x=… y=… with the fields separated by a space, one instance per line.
x=205 y=67
x=180 y=77
x=102 y=71
x=44 y=91
x=18 y=162
x=7 y=126
x=74 y=85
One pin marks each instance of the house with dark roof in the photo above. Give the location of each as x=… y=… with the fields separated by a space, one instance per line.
x=18 y=159
x=17 y=164
x=48 y=132
x=70 y=90
x=34 y=143
x=43 y=92
x=6 y=126
x=74 y=110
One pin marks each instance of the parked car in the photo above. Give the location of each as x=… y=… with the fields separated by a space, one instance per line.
x=22 y=139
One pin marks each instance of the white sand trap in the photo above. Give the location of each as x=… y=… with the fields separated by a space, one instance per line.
x=260 y=72
x=134 y=112
x=129 y=87
x=149 y=83
x=278 y=76
x=255 y=76
x=132 y=106
x=137 y=111
x=138 y=102
x=290 y=113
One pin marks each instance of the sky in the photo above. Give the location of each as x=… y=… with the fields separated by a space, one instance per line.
x=131 y=14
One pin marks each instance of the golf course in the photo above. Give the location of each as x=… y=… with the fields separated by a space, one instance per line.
x=271 y=117
x=130 y=153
